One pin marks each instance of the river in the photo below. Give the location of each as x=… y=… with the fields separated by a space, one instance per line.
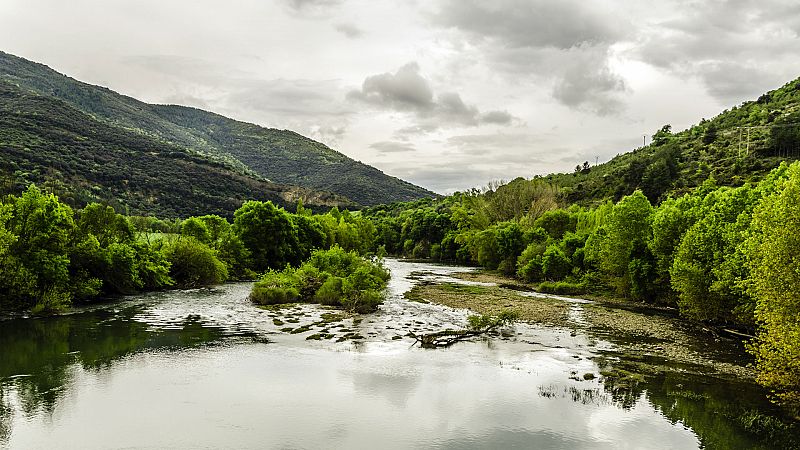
x=207 y=369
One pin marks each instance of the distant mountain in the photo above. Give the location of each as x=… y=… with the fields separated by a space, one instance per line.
x=46 y=141
x=280 y=156
x=739 y=145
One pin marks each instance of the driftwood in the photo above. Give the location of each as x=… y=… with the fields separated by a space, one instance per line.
x=444 y=338
x=478 y=325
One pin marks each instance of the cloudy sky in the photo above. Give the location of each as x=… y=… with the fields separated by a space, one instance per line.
x=447 y=94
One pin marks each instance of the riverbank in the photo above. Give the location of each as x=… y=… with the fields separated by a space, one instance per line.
x=651 y=339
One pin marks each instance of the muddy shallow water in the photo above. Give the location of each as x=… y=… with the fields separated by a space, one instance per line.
x=207 y=369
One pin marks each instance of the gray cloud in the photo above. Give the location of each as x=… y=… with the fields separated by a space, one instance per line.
x=566 y=43
x=312 y=98
x=392 y=147
x=327 y=134
x=736 y=48
x=349 y=30
x=654 y=60
x=523 y=146
x=595 y=90
x=497 y=117
x=531 y=23
x=311 y=107
x=306 y=5
x=403 y=90
x=408 y=91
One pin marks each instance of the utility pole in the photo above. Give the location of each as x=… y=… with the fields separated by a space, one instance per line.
x=748 y=140
x=644 y=140
x=740 y=142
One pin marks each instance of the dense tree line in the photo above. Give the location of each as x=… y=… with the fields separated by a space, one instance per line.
x=721 y=255
x=52 y=256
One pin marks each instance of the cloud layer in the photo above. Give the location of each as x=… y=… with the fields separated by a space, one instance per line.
x=448 y=94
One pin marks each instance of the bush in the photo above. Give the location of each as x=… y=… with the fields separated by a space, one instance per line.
x=555 y=264
x=330 y=277
x=529 y=263
x=194 y=264
x=331 y=292
x=562 y=288
x=276 y=288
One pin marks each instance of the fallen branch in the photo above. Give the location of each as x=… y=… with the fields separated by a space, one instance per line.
x=477 y=325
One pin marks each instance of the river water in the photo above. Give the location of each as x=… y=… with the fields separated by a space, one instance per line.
x=207 y=369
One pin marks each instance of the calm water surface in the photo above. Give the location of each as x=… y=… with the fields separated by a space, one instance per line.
x=206 y=369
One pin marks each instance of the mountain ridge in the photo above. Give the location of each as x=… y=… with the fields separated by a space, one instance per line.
x=281 y=156
x=46 y=141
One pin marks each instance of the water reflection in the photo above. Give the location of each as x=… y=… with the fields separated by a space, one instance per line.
x=196 y=368
x=40 y=356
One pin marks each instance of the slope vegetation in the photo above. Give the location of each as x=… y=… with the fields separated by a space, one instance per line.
x=278 y=155
x=48 y=142
x=739 y=145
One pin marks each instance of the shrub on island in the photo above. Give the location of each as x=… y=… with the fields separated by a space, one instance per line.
x=332 y=277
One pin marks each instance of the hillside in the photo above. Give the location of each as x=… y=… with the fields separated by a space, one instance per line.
x=48 y=142
x=279 y=155
x=739 y=145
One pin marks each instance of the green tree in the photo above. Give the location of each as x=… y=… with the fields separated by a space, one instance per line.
x=709 y=266
x=196 y=228
x=38 y=229
x=555 y=264
x=268 y=233
x=628 y=225
x=557 y=223
x=194 y=264
x=105 y=224
x=772 y=250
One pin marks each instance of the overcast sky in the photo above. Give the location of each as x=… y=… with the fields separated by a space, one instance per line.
x=447 y=94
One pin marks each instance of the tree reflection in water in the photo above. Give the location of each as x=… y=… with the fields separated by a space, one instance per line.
x=39 y=355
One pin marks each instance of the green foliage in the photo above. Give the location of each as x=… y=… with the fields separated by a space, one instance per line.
x=562 y=288
x=628 y=225
x=772 y=250
x=708 y=266
x=277 y=287
x=36 y=236
x=557 y=223
x=332 y=277
x=268 y=233
x=194 y=264
x=485 y=322
x=555 y=264
x=106 y=258
x=194 y=227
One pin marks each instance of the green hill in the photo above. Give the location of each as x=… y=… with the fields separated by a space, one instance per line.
x=739 y=145
x=48 y=142
x=280 y=156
